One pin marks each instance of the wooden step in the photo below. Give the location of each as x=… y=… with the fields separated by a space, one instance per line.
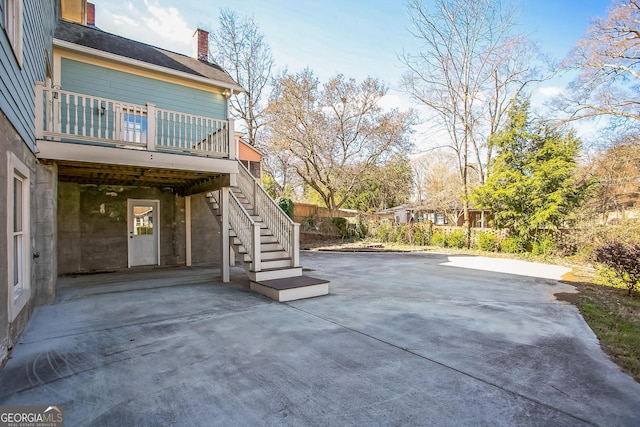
x=267 y=239
x=276 y=273
x=275 y=263
x=291 y=288
x=267 y=247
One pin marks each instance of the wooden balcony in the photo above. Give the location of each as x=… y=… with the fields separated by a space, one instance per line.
x=75 y=117
x=89 y=136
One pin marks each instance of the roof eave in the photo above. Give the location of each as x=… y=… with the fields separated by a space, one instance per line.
x=145 y=65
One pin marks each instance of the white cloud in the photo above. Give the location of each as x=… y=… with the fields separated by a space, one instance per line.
x=550 y=91
x=398 y=99
x=150 y=23
x=168 y=23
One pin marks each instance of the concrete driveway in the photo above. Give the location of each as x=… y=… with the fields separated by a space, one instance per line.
x=403 y=339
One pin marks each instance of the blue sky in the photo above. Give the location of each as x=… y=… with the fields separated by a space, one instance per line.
x=355 y=37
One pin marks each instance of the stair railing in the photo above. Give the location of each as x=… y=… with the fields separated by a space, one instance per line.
x=246 y=229
x=281 y=226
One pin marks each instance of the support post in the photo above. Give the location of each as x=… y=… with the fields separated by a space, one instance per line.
x=256 y=249
x=40 y=110
x=187 y=214
x=151 y=127
x=254 y=201
x=233 y=151
x=295 y=245
x=224 y=234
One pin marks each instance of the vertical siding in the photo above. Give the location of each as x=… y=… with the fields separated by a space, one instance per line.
x=17 y=83
x=107 y=83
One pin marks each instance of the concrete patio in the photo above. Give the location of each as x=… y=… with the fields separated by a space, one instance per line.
x=402 y=339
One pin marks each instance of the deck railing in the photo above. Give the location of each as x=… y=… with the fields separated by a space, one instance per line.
x=247 y=230
x=281 y=226
x=76 y=117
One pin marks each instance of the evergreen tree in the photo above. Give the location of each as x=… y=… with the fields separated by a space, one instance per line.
x=532 y=182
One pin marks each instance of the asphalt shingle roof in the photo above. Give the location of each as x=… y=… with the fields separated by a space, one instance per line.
x=95 y=38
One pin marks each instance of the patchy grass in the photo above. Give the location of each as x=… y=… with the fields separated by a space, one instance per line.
x=613 y=316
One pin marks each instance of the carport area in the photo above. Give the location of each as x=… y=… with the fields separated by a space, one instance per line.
x=402 y=339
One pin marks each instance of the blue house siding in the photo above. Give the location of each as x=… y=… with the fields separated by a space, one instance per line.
x=17 y=83
x=107 y=83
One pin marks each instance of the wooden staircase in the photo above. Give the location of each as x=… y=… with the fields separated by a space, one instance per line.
x=265 y=241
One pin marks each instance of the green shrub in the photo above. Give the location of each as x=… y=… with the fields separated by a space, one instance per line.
x=384 y=231
x=623 y=260
x=418 y=235
x=457 y=239
x=513 y=245
x=309 y=221
x=544 y=246
x=606 y=276
x=439 y=239
x=488 y=242
x=362 y=228
x=426 y=230
x=341 y=225
x=286 y=205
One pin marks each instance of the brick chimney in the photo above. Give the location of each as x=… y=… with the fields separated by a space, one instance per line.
x=201 y=45
x=91 y=14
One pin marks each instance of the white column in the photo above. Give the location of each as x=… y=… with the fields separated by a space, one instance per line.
x=224 y=234
x=40 y=113
x=187 y=215
x=151 y=127
x=232 y=140
x=295 y=245
x=257 y=255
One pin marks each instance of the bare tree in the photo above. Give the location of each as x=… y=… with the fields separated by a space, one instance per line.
x=239 y=47
x=617 y=170
x=608 y=59
x=439 y=183
x=470 y=68
x=335 y=131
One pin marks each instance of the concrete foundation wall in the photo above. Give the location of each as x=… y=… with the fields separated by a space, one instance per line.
x=92 y=226
x=93 y=234
x=11 y=142
x=45 y=234
x=205 y=237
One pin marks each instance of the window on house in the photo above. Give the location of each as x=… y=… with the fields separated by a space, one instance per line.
x=134 y=127
x=440 y=219
x=476 y=221
x=13 y=26
x=18 y=246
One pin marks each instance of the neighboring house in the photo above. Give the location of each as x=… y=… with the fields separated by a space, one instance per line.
x=27 y=28
x=131 y=162
x=453 y=216
x=399 y=214
x=423 y=212
x=249 y=155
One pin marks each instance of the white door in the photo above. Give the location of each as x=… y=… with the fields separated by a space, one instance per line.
x=144 y=242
